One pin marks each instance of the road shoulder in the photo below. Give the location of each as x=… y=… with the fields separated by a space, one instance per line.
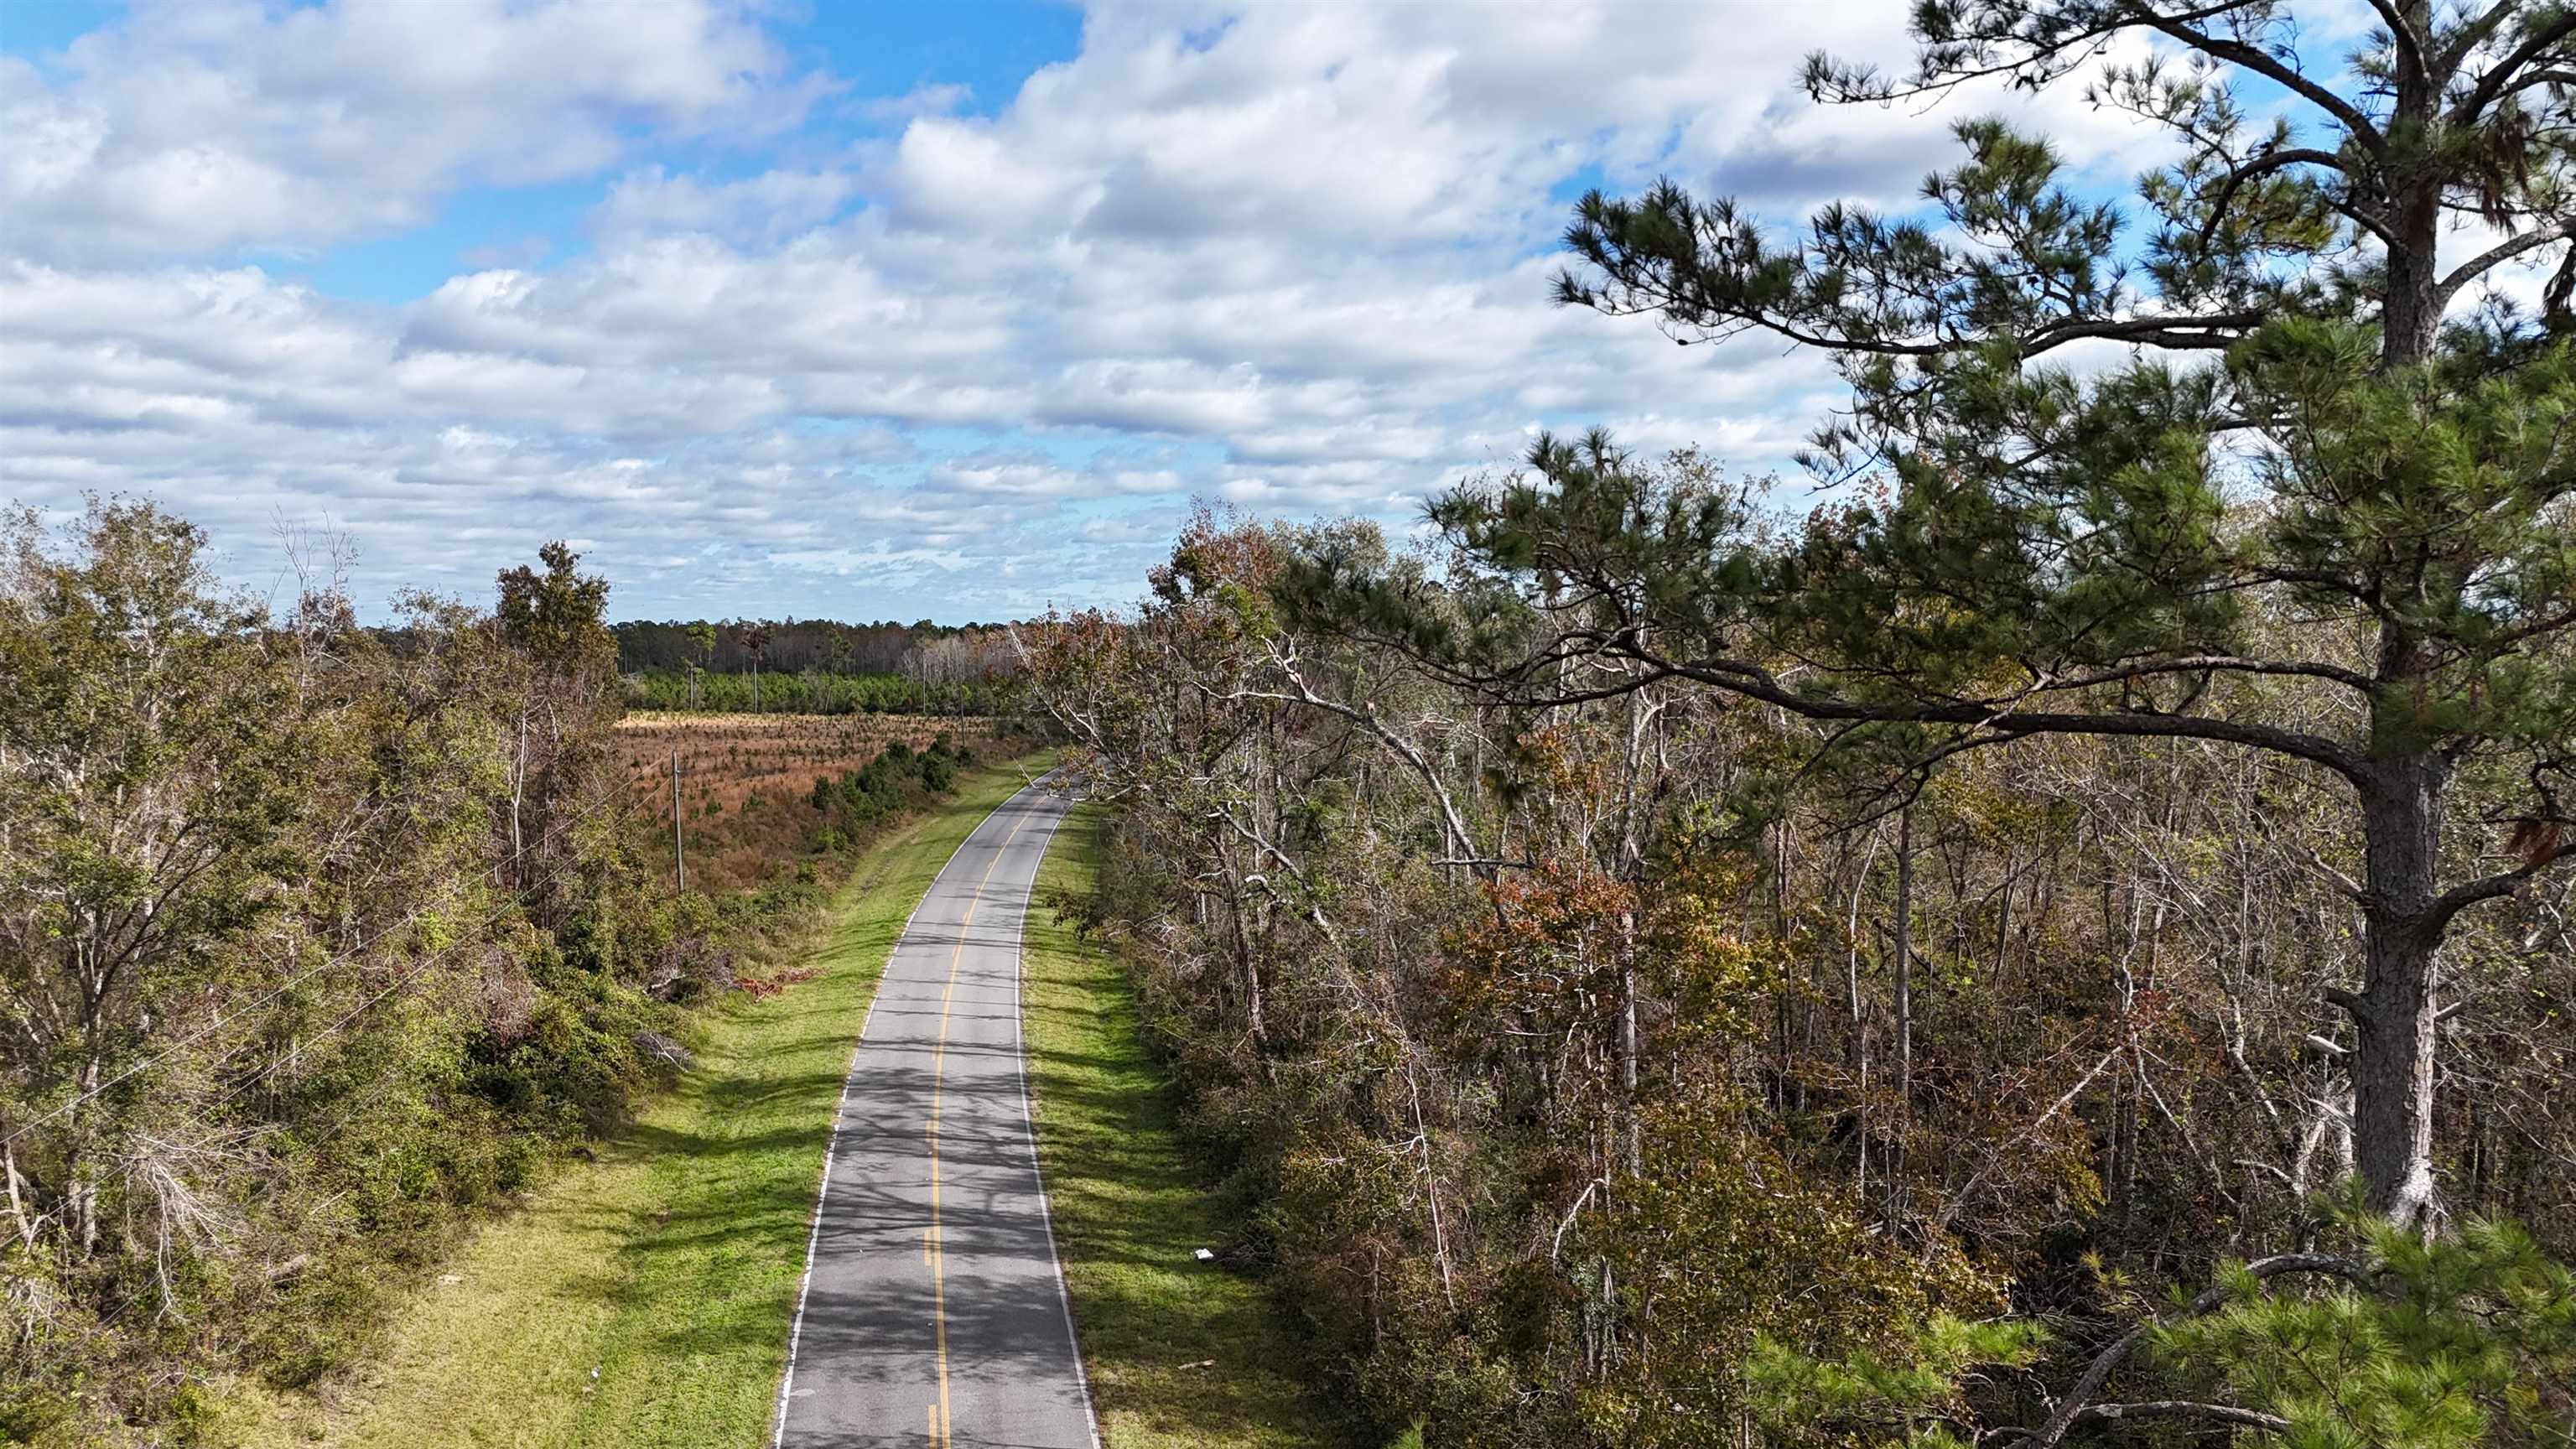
x=1178 y=1353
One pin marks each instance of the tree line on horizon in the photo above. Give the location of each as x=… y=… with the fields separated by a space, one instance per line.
x=817 y=667
x=783 y=646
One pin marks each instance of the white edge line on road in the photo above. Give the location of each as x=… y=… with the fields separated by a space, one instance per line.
x=1028 y=1114
x=832 y=1143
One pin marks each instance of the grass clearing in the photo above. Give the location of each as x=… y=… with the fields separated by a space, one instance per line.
x=1129 y=1212
x=642 y=1299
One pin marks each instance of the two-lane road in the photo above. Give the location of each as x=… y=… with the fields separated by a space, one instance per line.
x=933 y=1310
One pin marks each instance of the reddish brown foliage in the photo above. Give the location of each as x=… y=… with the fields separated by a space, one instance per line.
x=746 y=780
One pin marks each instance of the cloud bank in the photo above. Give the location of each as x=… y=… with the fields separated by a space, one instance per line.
x=771 y=338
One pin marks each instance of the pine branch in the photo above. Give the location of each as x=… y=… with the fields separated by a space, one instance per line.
x=2077 y=1398
x=2497 y=81
x=2495 y=256
x=2247 y=57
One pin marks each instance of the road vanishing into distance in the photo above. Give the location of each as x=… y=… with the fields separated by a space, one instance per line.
x=933 y=1310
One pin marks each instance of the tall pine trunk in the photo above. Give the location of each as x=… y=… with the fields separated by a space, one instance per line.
x=2396 y=1012
x=2396 y=1015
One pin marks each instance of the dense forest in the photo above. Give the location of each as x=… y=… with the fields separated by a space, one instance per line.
x=2070 y=938
x=813 y=646
x=785 y=646
x=817 y=667
x=315 y=938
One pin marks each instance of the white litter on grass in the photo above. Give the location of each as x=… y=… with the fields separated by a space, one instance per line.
x=1205 y=1256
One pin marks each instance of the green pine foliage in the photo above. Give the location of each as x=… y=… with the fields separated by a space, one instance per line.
x=884 y=785
x=1912 y=1397
x=813 y=692
x=2404 y=1340
x=2312 y=461
x=2433 y=1342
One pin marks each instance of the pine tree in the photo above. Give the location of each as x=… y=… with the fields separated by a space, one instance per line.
x=2313 y=473
x=2427 y=1342
x=2397 y=1339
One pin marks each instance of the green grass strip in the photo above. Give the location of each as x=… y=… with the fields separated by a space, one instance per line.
x=1182 y=1355
x=643 y=1299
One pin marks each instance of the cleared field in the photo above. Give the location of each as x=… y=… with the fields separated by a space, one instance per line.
x=745 y=780
x=726 y=759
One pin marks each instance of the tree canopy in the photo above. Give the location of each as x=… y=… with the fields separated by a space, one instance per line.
x=2303 y=460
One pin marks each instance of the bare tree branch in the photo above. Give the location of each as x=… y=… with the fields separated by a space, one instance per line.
x=2071 y=1405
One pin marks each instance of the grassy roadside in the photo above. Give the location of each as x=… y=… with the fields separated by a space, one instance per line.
x=642 y=1299
x=1181 y=1356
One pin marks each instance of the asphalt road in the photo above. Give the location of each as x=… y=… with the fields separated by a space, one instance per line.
x=933 y=1310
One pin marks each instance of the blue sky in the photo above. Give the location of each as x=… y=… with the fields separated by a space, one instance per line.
x=872 y=311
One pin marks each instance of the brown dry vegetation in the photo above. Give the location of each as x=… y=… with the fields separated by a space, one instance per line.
x=745 y=779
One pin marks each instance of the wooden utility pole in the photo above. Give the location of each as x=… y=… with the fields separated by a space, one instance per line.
x=679 y=856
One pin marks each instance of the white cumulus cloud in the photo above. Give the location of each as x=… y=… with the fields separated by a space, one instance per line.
x=1294 y=256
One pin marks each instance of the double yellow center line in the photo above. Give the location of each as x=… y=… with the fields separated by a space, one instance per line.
x=931 y=1244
